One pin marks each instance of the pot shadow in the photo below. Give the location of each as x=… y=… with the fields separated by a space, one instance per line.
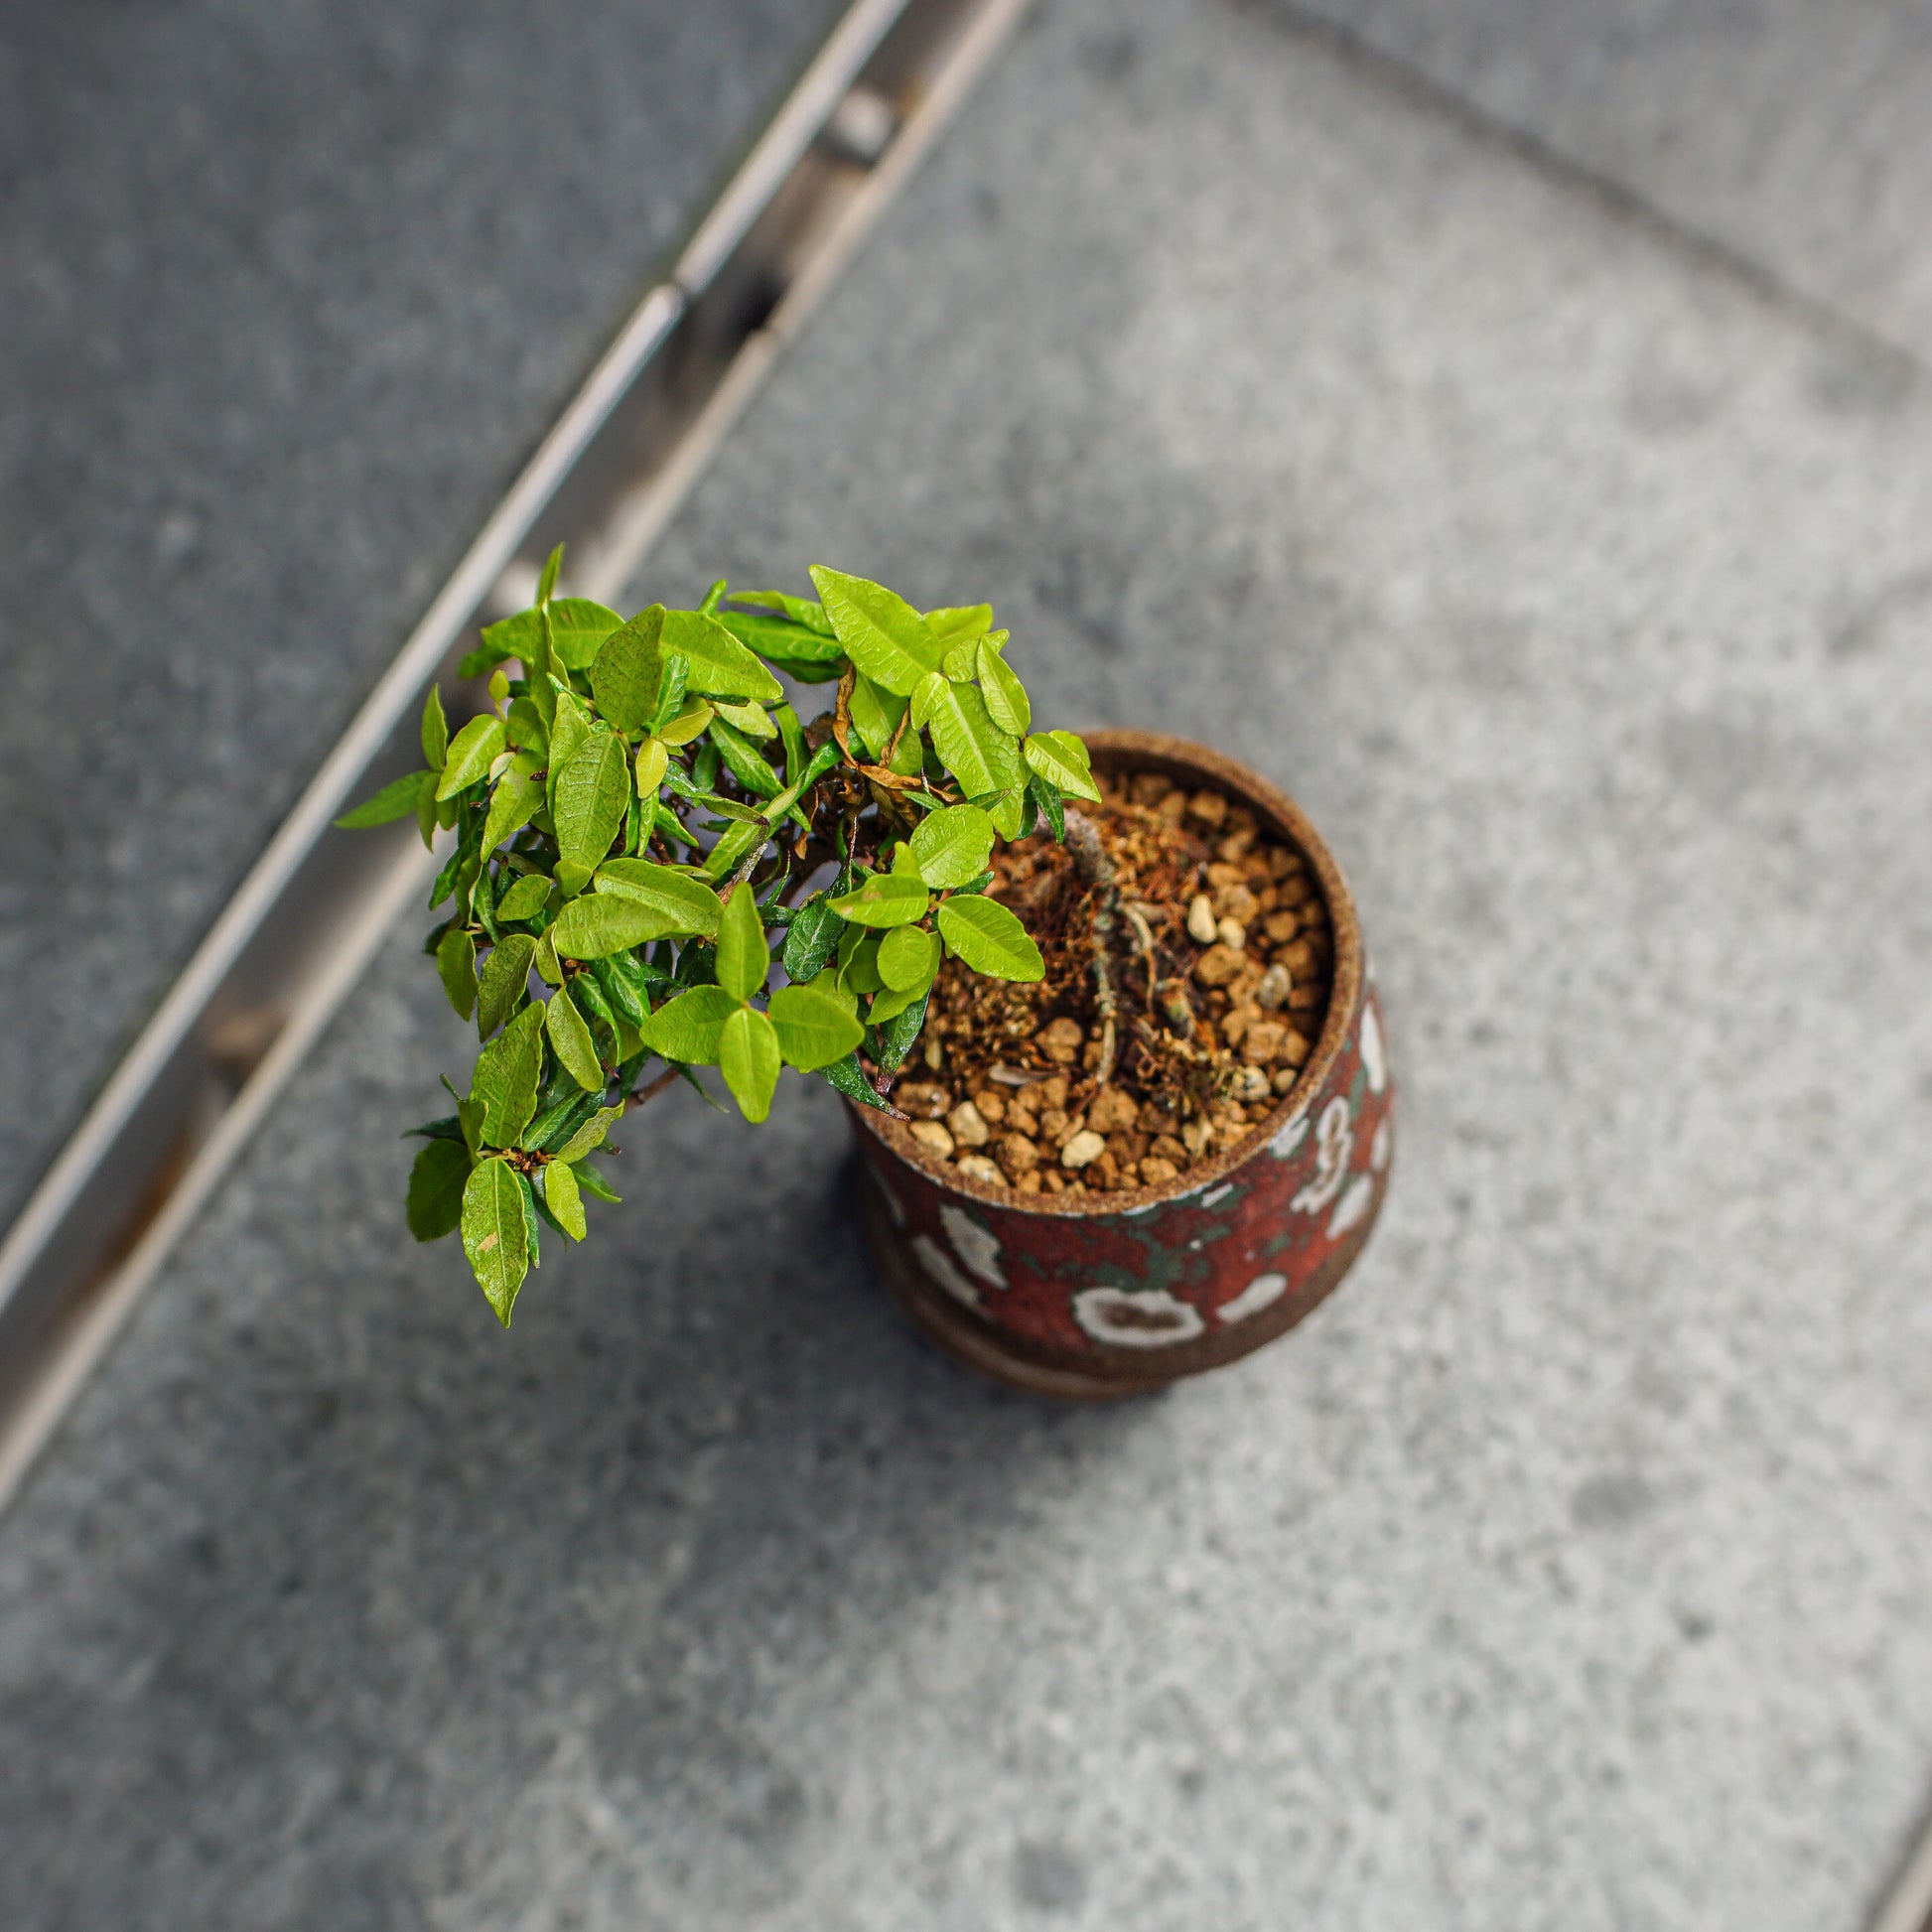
x=387 y=1613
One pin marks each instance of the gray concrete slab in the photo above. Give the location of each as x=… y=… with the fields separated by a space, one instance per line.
x=1566 y=1571
x=1792 y=134
x=290 y=293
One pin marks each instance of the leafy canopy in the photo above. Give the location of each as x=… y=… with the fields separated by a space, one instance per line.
x=640 y=833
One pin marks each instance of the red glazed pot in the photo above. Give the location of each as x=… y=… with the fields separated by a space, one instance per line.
x=1121 y=1293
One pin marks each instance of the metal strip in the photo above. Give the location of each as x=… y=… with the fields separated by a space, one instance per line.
x=607 y=478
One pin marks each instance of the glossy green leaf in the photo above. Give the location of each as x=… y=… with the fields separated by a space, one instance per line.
x=1005 y=697
x=626 y=671
x=909 y=957
x=524 y=900
x=511 y=808
x=812 y=656
x=951 y=845
x=735 y=847
x=590 y=1136
x=743 y=960
x=812 y=938
x=875 y=715
x=524 y=727
x=988 y=938
x=686 y=1029
x=434 y=1206
x=685 y=904
x=571 y=1041
x=891 y=1001
x=751 y=719
x=848 y=1077
x=750 y=1061
x=884 y=899
x=742 y=762
x=1047 y=799
x=858 y=967
x=1007 y=809
x=802 y=611
x=426 y=806
x=565 y=1200
x=720 y=666
x=959 y=624
x=691 y=720
x=654 y=759
x=435 y=731
x=976 y=750
x=471 y=755
x=601 y=923
x=505 y=1083
x=594 y=1183
x=547 y=582
x=589 y=803
x=456 y=967
x=396 y=799
x=813 y=1026
x=578 y=629
x=925 y=698
x=1063 y=761
x=881 y=633
x=567 y=731
x=501 y=984
x=895 y=1035
x=497 y=1233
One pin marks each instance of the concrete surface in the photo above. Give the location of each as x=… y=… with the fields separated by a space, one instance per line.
x=291 y=290
x=1568 y=1571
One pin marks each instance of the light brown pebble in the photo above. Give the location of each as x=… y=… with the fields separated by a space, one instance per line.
x=1103 y=1170
x=1234 y=848
x=1261 y=1043
x=976 y=1167
x=1167 y=1148
x=1239 y=1021
x=1110 y=1110
x=923 y=1099
x=1220 y=875
x=1251 y=1084
x=1149 y=788
x=1295 y=1048
x=1174 y=807
x=1296 y=959
x=1062 y=1039
x=1208 y=806
x=1052 y=1182
x=1028 y=1184
x=1284 y=1077
x=935 y=1055
x=1306 y=995
x=1281 y=926
x=1055 y=1124
x=1090 y=1056
x=1155 y=1117
x=1053 y=1092
x=1197 y=1136
x=1021 y=1120
x=992 y=1104
x=1236 y=902
x=1018 y=1154
x=1282 y=862
x=932 y=1134
x=1217 y=965
x=1232 y=934
x=1275 y=987
x=1200 y=919
x=1082 y=1148
x=1156 y=1172
x=968 y=1125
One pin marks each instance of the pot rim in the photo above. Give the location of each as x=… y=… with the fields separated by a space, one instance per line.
x=1181 y=757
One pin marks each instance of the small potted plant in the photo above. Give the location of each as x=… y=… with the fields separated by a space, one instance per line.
x=1103 y=1020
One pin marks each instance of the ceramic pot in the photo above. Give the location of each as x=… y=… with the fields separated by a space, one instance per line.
x=1120 y=1292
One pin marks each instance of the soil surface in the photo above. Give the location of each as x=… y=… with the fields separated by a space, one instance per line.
x=1189 y=960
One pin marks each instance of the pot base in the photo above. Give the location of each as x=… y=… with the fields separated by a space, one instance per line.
x=954 y=1331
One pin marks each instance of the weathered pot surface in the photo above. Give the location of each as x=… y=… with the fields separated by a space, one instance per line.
x=1121 y=1293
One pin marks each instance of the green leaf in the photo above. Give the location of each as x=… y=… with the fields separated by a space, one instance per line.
x=471 y=755
x=743 y=960
x=567 y=731
x=721 y=667
x=570 y=1036
x=932 y=688
x=594 y=1183
x=564 y=1199
x=591 y=792
x=1005 y=697
x=526 y=898
x=455 y=966
x=749 y=1058
x=875 y=715
x=512 y=806
x=881 y=633
x=751 y=719
x=684 y=905
x=426 y=808
x=960 y=624
x=893 y=1039
x=976 y=750
x=497 y=1234
x=588 y=1136
x=524 y=727
x=1063 y=761
x=503 y=981
x=814 y=1027
x=654 y=759
x=578 y=627
x=505 y=1083
x=811 y=938
x=848 y=1077
x=889 y=1002
x=548 y=581
x=951 y=845
x=624 y=675
x=686 y=1029
x=1007 y=809
x=858 y=967
x=812 y=656
x=600 y=923
x=436 y=731
x=735 y=847
x=436 y=1181
x=909 y=957
x=1047 y=799
x=885 y=898
x=396 y=799
x=742 y=760
x=798 y=610
x=988 y=938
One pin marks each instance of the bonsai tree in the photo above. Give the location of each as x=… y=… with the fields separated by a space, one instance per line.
x=643 y=827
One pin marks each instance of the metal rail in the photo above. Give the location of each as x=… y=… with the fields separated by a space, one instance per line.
x=607 y=478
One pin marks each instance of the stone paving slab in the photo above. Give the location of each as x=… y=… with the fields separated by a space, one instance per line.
x=1566 y=1571
x=1794 y=136
x=290 y=291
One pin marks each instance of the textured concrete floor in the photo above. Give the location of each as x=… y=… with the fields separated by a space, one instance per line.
x=290 y=291
x=1568 y=1571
